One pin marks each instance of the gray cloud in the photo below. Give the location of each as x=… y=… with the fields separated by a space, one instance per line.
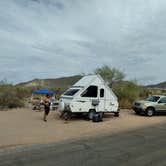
x=52 y=38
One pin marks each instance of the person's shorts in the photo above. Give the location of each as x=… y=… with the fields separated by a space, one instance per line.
x=47 y=110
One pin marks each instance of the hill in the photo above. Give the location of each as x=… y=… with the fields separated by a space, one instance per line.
x=158 y=86
x=62 y=83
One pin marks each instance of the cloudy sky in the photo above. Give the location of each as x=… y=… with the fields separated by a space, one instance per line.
x=55 y=38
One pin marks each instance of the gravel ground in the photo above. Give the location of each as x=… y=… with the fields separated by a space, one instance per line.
x=139 y=147
x=25 y=127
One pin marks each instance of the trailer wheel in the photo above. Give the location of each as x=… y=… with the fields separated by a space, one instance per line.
x=116 y=114
x=91 y=114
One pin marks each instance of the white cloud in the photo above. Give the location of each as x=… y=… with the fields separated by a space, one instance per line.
x=52 y=38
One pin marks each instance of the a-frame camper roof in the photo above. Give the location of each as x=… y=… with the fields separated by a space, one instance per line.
x=86 y=80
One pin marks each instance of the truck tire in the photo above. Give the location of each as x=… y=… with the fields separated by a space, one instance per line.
x=91 y=114
x=150 y=112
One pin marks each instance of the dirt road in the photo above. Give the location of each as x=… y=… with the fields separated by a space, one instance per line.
x=25 y=127
x=140 y=147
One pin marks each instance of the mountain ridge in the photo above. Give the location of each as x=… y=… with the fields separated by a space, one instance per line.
x=161 y=85
x=65 y=82
x=53 y=83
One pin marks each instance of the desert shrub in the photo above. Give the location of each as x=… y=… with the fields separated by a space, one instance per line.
x=16 y=96
x=125 y=103
x=11 y=97
x=127 y=92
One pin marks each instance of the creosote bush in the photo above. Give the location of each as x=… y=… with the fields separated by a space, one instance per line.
x=11 y=96
x=15 y=96
x=127 y=92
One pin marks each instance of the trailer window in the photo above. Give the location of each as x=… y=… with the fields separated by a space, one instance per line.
x=101 y=92
x=71 y=92
x=91 y=91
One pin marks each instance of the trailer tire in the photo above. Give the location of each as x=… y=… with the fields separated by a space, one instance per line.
x=91 y=113
x=116 y=114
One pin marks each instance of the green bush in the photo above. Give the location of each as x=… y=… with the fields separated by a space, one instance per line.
x=12 y=97
x=127 y=92
x=15 y=96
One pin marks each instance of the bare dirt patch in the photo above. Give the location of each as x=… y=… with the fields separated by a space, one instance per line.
x=25 y=127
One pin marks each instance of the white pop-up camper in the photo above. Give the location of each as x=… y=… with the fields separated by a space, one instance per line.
x=89 y=95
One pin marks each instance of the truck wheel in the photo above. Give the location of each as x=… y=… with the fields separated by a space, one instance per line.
x=91 y=114
x=116 y=114
x=150 y=112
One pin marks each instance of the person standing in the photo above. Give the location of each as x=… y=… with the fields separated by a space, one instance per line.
x=46 y=103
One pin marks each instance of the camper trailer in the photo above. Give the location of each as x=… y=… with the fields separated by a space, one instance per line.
x=90 y=95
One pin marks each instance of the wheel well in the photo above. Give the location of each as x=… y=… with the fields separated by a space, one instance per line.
x=150 y=107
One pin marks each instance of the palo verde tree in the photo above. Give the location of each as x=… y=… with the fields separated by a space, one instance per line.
x=111 y=75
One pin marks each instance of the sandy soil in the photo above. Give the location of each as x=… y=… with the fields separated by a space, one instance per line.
x=25 y=127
